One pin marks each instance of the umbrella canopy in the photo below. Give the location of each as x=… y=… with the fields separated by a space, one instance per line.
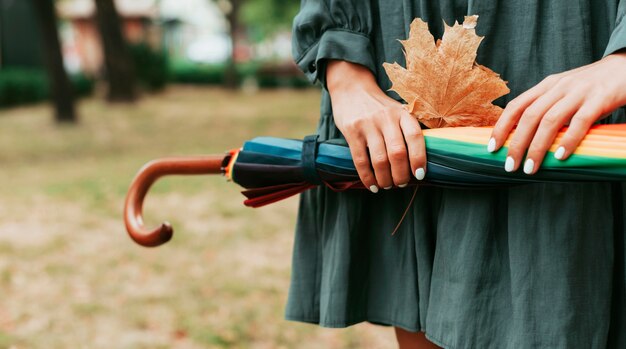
x=271 y=169
x=274 y=168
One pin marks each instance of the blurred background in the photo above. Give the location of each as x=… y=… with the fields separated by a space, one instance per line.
x=90 y=90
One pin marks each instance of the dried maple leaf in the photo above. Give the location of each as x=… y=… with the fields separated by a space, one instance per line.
x=442 y=83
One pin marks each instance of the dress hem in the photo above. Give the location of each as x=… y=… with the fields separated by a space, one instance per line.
x=375 y=321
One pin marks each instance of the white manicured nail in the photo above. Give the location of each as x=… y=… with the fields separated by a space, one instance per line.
x=558 y=154
x=509 y=164
x=389 y=187
x=420 y=173
x=529 y=166
x=491 y=147
x=403 y=185
x=374 y=189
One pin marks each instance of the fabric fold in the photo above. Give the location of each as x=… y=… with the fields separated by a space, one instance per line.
x=333 y=29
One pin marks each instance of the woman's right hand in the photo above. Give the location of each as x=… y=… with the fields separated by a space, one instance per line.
x=385 y=141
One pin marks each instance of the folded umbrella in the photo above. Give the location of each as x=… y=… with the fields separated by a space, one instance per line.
x=271 y=169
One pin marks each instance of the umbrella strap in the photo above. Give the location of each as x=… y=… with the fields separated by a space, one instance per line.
x=309 y=154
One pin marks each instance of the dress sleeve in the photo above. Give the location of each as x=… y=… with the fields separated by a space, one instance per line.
x=617 y=41
x=332 y=29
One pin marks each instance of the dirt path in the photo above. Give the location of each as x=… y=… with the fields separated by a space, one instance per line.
x=71 y=278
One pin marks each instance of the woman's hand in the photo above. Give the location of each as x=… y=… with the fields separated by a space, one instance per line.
x=579 y=97
x=385 y=141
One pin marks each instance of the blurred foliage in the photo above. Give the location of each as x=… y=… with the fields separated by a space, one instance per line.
x=22 y=86
x=151 y=66
x=273 y=75
x=83 y=85
x=198 y=74
x=29 y=85
x=264 y=18
x=264 y=75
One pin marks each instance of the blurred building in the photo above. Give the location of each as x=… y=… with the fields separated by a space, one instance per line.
x=81 y=40
x=185 y=29
x=202 y=35
x=188 y=30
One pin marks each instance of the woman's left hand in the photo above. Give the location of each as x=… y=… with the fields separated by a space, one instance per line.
x=577 y=97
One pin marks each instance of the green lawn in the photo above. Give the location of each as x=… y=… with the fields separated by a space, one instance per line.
x=71 y=278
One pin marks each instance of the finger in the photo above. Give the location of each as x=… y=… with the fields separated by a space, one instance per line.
x=397 y=154
x=361 y=159
x=589 y=112
x=549 y=127
x=415 y=145
x=514 y=110
x=528 y=126
x=379 y=159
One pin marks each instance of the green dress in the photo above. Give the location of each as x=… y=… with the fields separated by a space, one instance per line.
x=537 y=266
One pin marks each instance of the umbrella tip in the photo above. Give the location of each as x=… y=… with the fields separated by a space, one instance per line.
x=166 y=232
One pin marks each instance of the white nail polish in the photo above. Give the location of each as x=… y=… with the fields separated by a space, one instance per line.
x=420 y=173
x=403 y=185
x=491 y=147
x=509 y=164
x=389 y=187
x=374 y=189
x=559 y=153
x=529 y=166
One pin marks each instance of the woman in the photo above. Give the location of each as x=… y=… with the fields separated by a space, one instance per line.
x=538 y=266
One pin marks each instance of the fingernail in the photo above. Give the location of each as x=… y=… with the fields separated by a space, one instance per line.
x=389 y=187
x=491 y=147
x=509 y=164
x=420 y=173
x=403 y=185
x=529 y=166
x=374 y=189
x=559 y=153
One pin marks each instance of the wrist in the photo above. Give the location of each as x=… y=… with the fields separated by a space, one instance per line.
x=616 y=62
x=616 y=66
x=346 y=77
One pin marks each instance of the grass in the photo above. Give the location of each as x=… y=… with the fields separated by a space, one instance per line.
x=71 y=278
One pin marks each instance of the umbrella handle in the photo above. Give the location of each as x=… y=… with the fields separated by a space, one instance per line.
x=150 y=173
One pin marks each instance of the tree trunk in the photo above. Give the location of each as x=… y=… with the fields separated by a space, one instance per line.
x=231 y=77
x=119 y=66
x=60 y=86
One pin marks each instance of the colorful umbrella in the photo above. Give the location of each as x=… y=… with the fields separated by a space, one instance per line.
x=271 y=169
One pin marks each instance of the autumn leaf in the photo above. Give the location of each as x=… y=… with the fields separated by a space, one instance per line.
x=442 y=83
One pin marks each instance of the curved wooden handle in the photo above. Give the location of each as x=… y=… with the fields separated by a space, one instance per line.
x=212 y=164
